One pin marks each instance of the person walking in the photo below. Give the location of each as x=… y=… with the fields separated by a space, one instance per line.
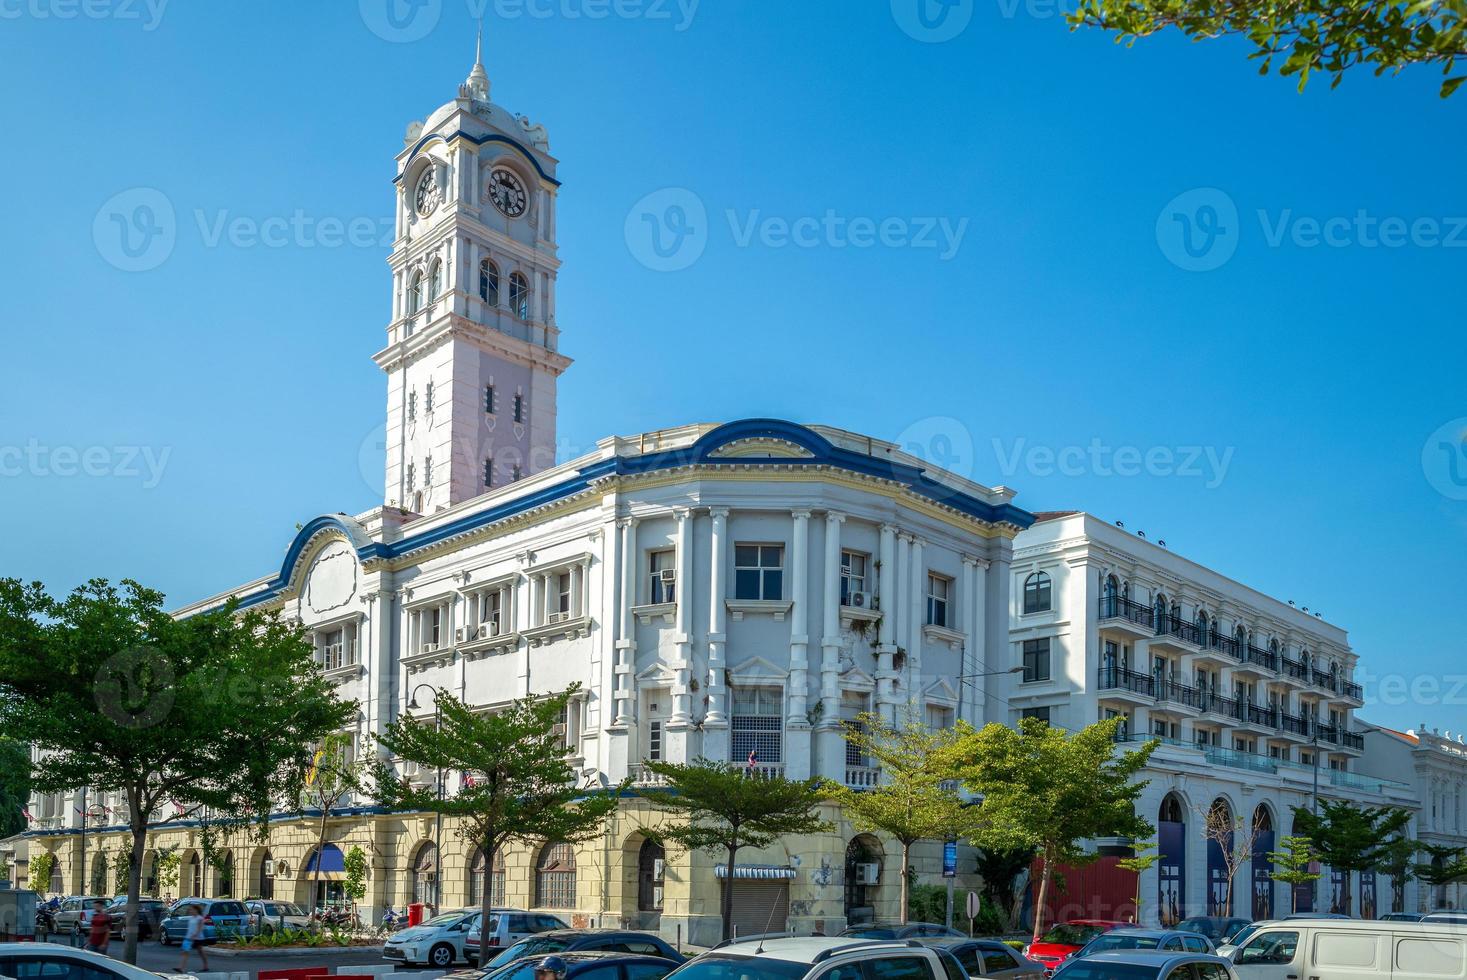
x=193 y=936
x=99 y=928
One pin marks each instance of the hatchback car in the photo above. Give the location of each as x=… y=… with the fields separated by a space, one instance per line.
x=74 y=912
x=150 y=913
x=509 y=926
x=224 y=918
x=266 y=913
x=439 y=942
x=52 y=961
x=823 y=957
x=1147 y=965
x=1166 y=940
x=988 y=958
x=1401 y=917
x=912 y=930
x=580 y=940
x=1218 y=928
x=1453 y=917
x=1065 y=939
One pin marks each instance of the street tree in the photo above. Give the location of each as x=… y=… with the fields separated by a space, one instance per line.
x=1306 y=36
x=916 y=798
x=1397 y=861
x=517 y=785
x=176 y=715
x=1235 y=838
x=331 y=777
x=1143 y=858
x=1293 y=864
x=1351 y=838
x=15 y=786
x=1045 y=788
x=722 y=808
x=1444 y=865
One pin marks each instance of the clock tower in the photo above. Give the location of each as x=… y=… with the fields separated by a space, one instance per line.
x=472 y=352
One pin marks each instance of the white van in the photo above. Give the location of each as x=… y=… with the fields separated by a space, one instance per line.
x=1352 y=949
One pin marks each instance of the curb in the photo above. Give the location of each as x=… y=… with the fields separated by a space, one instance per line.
x=292 y=951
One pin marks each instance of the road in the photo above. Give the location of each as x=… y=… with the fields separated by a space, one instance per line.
x=164 y=959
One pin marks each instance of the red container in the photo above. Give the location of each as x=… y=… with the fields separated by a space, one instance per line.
x=415 y=913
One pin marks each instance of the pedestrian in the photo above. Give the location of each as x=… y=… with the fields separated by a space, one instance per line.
x=99 y=929
x=193 y=935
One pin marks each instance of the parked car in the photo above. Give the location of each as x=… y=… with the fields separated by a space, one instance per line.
x=439 y=942
x=56 y=962
x=1064 y=939
x=1218 y=928
x=1348 y=949
x=823 y=957
x=74 y=911
x=1166 y=940
x=150 y=913
x=988 y=958
x=1401 y=917
x=266 y=913
x=509 y=926
x=224 y=918
x=1243 y=935
x=912 y=930
x=586 y=964
x=579 y=940
x=1147 y=965
x=1451 y=916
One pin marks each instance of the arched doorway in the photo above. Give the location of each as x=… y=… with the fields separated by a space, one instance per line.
x=476 y=880
x=57 y=884
x=864 y=856
x=555 y=877
x=265 y=884
x=191 y=876
x=425 y=875
x=1263 y=883
x=224 y=875
x=651 y=873
x=1303 y=894
x=149 y=885
x=321 y=877
x=99 y=874
x=1171 y=849
x=1219 y=847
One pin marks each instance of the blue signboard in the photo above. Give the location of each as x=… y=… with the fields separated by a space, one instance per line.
x=950 y=859
x=1171 y=879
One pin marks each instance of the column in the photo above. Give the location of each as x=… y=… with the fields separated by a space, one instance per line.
x=715 y=723
x=797 y=725
x=626 y=643
x=832 y=740
x=902 y=632
x=917 y=619
x=886 y=626
x=682 y=715
x=978 y=649
x=967 y=664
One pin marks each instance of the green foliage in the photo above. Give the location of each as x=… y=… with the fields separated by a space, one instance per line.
x=724 y=808
x=929 y=904
x=1305 y=36
x=910 y=803
x=1000 y=869
x=212 y=711
x=1443 y=865
x=165 y=870
x=355 y=884
x=40 y=868
x=523 y=788
x=1351 y=838
x=1045 y=788
x=15 y=786
x=1291 y=863
x=1143 y=857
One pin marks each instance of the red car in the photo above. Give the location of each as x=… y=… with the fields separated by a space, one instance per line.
x=1065 y=939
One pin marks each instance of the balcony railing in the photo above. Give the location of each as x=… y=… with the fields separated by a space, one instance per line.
x=1260 y=657
x=1327 y=733
x=1255 y=714
x=862 y=777
x=1122 y=679
x=1353 y=691
x=1295 y=668
x=1218 y=703
x=1324 y=679
x=1353 y=740
x=1178 y=693
x=1225 y=643
x=642 y=776
x=1181 y=629
x=1116 y=607
x=1293 y=724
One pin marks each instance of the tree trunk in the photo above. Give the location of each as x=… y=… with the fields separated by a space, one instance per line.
x=320 y=854
x=1039 y=901
x=1293 y=898
x=728 y=887
x=904 y=909
x=486 y=898
x=134 y=889
x=1348 y=897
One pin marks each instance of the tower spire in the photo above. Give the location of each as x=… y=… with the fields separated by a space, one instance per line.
x=477 y=84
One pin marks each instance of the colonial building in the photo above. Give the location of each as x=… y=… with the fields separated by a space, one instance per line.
x=1252 y=698
x=731 y=591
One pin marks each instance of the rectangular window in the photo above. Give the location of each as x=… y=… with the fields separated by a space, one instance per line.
x=519 y=408
x=489 y=472
x=757 y=725
x=759 y=571
x=411 y=477
x=853 y=704
x=563 y=592
x=939 y=718
x=1036 y=660
x=516 y=474
x=1041 y=714
x=938 y=589
x=662 y=577
x=412 y=408
x=428 y=471
x=488 y=399
x=852 y=576
x=654 y=740
x=489 y=611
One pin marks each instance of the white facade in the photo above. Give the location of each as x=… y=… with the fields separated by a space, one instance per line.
x=1436 y=765
x=1252 y=698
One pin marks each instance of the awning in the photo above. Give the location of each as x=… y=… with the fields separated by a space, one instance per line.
x=760 y=871
x=332 y=865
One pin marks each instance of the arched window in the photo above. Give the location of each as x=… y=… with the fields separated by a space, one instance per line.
x=1171 y=810
x=57 y=885
x=1037 y=593
x=519 y=296
x=224 y=875
x=555 y=877
x=651 y=865
x=193 y=876
x=415 y=294
x=1161 y=613
x=425 y=875
x=489 y=282
x=476 y=880
x=99 y=875
x=1202 y=627
x=1112 y=587
x=266 y=888
x=435 y=280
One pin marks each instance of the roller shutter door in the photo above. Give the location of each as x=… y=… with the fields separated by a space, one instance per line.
x=760 y=906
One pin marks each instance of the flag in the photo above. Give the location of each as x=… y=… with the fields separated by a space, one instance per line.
x=753 y=759
x=27 y=811
x=315 y=766
x=468 y=779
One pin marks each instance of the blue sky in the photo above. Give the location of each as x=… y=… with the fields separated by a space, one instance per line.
x=1132 y=260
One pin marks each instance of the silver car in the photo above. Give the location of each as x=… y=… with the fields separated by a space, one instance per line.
x=988 y=958
x=439 y=942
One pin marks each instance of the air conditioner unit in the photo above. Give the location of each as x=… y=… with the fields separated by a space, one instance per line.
x=659 y=869
x=657 y=897
x=668 y=576
x=868 y=874
x=429 y=647
x=461 y=634
x=269 y=868
x=558 y=617
x=859 y=600
x=486 y=630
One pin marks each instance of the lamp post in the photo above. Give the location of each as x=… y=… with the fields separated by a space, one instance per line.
x=437 y=816
x=95 y=811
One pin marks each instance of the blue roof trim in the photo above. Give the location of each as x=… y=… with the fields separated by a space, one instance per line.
x=822 y=453
x=524 y=151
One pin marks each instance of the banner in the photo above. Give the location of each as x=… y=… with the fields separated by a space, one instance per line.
x=1263 y=883
x=1171 y=876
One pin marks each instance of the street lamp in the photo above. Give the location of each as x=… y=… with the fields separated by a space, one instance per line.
x=437 y=816
x=96 y=812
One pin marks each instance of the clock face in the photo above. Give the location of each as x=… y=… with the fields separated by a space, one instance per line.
x=507 y=193
x=426 y=198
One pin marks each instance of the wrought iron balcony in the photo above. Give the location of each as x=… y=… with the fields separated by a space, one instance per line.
x=1225 y=643
x=1116 y=607
x=1353 y=740
x=1293 y=724
x=1295 y=668
x=1327 y=733
x=1352 y=691
x=1210 y=701
x=1324 y=679
x=1120 y=678
x=1177 y=627
x=1260 y=657
x=1178 y=693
